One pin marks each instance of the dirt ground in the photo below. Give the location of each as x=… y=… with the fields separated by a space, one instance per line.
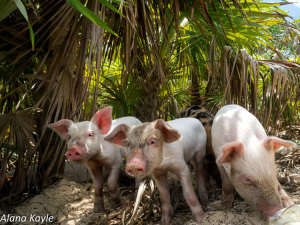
x=70 y=202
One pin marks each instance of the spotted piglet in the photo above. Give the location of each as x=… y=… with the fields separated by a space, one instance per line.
x=159 y=147
x=246 y=160
x=206 y=118
x=86 y=145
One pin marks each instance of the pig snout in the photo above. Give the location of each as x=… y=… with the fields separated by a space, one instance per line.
x=135 y=168
x=268 y=211
x=136 y=164
x=74 y=153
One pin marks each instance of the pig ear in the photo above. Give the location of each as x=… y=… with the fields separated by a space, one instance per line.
x=61 y=127
x=273 y=143
x=231 y=151
x=170 y=134
x=118 y=135
x=103 y=119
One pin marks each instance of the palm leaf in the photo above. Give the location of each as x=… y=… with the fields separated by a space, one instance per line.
x=90 y=15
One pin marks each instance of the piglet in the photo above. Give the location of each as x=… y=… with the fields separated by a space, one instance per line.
x=159 y=147
x=246 y=160
x=86 y=145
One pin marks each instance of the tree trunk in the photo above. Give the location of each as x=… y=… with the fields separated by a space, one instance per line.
x=195 y=90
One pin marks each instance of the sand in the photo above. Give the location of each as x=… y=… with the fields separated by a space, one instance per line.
x=70 y=202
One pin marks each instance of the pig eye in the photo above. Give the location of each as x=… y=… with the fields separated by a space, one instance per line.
x=91 y=134
x=247 y=180
x=152 y=142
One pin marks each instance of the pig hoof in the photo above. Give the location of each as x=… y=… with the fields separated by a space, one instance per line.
x=116 y=201
x=166 y=217
x=227 y=204
x=199 y=217
x=203 y=198
x=98 y=208
x=166 y=220
x=115 y=196
x=204 y=203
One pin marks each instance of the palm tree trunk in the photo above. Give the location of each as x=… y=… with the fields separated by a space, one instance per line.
x=195 y=89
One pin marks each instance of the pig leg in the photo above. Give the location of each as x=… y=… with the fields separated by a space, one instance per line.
x=112 y=183
x=201 y=173
x=285 y=199
x=215 y=173
x=207 y=182
x=227 y=189
x=162 y=185
x=138 y=181
x=212 y=169
x=185 y=179
x=97 y=176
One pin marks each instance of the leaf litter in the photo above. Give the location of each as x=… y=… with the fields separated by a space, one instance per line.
x=72 y=203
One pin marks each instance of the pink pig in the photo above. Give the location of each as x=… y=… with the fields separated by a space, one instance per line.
x=86 y=145
x=159 y=147
x=245 y=157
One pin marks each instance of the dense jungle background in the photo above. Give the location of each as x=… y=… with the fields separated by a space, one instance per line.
x=67 y=59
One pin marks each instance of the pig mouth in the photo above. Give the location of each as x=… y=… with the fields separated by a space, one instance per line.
x=136 y=168
x=84 y=158
x=267 y=211
x=138 y=173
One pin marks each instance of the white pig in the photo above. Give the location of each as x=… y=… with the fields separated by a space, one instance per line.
x=86 y=145
x=158 y=147
x=245 y=156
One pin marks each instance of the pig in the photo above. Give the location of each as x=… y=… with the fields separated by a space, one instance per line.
x=86 y=145
x=245 y=156
x=206 y=118
x=155 y=148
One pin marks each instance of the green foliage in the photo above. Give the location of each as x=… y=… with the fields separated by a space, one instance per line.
x=124 y=97
x=90 y=15
x=148 y=61
x=23 y=10
x=6 y=8
x=285 y=40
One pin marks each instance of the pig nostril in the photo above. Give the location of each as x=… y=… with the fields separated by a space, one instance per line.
x=70 y=154
x=140 y=170
x=76 y=153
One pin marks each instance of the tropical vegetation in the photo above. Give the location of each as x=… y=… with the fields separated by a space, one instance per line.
x=66 y=59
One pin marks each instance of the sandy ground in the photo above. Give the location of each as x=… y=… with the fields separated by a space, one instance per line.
x=70 y=202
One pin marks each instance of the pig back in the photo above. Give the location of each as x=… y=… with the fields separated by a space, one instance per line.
x=193 y=136
x=234 y=123
x=128 y=120
x=113 y=152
